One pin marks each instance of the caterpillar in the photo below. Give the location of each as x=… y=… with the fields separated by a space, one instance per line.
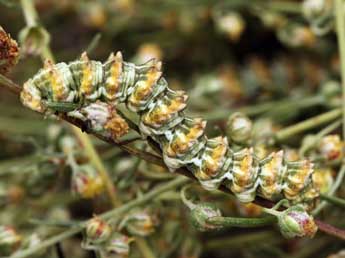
x=90 y=90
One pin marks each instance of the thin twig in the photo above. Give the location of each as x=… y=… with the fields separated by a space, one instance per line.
x=340 y=29
x=107 y=215
x=307 y=124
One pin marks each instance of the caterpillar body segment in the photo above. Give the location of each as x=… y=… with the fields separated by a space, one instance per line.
x=91 y=90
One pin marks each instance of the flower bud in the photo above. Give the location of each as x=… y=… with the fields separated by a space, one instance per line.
x=119 y=244
x=296 y=222
x=147 y=52
x=319 y=14
x=313 y=8
x=239 y=128
x=232 y=24
x=323 y=179
x=331 y=89
x=98 y=231
x=140 y=223
x=9 y=240
x=296 y=35
x=33 y=39
x=331 y=147
x=93 y=14
x=86 y=182
x=9 y=52
x=201 y=213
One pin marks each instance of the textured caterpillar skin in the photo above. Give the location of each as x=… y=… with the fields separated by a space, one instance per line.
x=85 y=87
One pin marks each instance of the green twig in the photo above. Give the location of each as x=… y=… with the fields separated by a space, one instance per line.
x=307 y=124
x=242 y=222
x=340 y=29
x=10 y=85
x=94 y=43
x=107 y=215
x=332 y=199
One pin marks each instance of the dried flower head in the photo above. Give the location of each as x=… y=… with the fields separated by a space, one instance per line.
x=93 y=14
x=323 y=179
x=98 y=231
x=232 y=24
x=9 y=240
x=296 y=35
x=296 y=222
x=201 y=213
x=239 y=128
x=117 y=126
x=331 y=147
x=147 y=52
x=140 y=222
x=87 y=182
x=9 y=52
x=118 y=244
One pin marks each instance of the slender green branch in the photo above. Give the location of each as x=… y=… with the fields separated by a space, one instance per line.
x=107 y=215
x=263 y=108
x=30 y=13
x=340 y=29
x=93 y=44
x=241 y=222
x=307 y=124
x=10 y=85
x=332 y=199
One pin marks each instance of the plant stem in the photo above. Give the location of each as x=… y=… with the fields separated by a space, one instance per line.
x=340 y=29
x=258 y=109
x=241 y=222
x=144 y=248
x=10 y=85
x=307 y=124
x=93 y=44
x=332 y=199
x=107 y=215
x=30 y=14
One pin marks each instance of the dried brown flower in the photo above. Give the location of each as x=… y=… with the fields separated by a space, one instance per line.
x=117 y=126
x=9 y=52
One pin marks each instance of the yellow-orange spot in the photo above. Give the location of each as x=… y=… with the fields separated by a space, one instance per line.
x=113 y=83
x=86 y=82
x=145 y=87
x=212 y=164
x=57 y=85
x=245 y=167
x=162 y=113
x=184 y=141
